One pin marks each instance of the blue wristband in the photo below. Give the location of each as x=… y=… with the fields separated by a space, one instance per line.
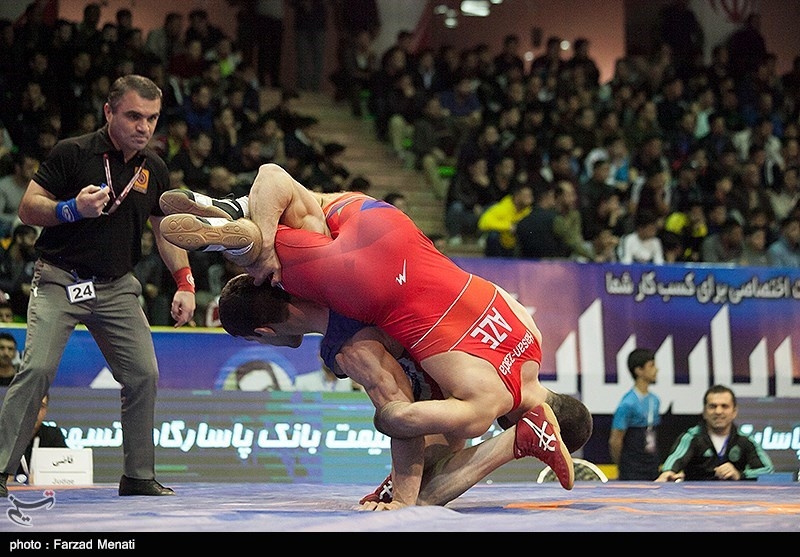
x=67 y=211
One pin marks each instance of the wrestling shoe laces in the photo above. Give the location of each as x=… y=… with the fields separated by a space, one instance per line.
x=240 y=238
x=383 y=494
x=539 y=435
x=184 y=201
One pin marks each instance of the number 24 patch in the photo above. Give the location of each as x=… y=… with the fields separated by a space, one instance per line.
x=81 y=292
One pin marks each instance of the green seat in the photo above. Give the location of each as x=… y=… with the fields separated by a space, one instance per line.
x=447 y=171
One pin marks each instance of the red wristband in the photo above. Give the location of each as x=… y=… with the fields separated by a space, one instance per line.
x=184 y=279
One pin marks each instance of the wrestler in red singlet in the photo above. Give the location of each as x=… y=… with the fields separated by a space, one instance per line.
x=381 y=269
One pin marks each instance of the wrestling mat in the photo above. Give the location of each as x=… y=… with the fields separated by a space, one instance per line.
x=500 y=507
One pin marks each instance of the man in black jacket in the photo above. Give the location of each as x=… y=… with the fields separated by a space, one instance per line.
x=714 y=449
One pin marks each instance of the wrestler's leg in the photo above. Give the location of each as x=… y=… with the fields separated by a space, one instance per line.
x=456 y=472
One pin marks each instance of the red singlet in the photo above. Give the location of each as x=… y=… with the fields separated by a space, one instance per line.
x=381 y=269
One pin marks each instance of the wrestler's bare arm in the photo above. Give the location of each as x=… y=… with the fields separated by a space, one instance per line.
x=366 y=359
x=277 y=198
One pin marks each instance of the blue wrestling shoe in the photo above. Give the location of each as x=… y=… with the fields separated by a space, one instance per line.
x=539 y=435
x=184 y=201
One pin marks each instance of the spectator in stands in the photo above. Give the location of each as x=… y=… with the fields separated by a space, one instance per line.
x=715 y=449
x=688 y=223
x=12 y=187
x=434 y=143
x=16 y=268
x=607 y=213
x=749 y=192
x=358 y=63
x=528 y=156
x=188 y=65
x=226 y=136
x=718 y=138
x=285 y=112
x=597 y=185
x=509 y=56
x=754 y=252
x=633 y=441
x=304 y=150
x=463 y=104
x=199 y=109
x=393 y=64
x=499 y=221
x=761 y=134
x=680 y=29
x=201 y=29
x=173 y=138
x=549 y=63
x=467 y=197
x=685 y=188
x=785 y=251
x=581 y=63
x=166 y=41
x=259 y=33
x=196 y=161
x=567 y=224
x=6 y=311
x=483 y=142
x=272 y=141
x=643 y=127
x=405 y=105
x=310 y=26
x=746 y=48
x=653 y=196
x=8 y=354
x=643 y=244
x=427 y=73
x=149 y=271
x=87 y=30
x=787 y=196
x=725 y=246
x=536 y=237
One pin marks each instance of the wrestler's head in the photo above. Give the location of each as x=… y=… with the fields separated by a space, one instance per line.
x=265 y=314
x=573 y=417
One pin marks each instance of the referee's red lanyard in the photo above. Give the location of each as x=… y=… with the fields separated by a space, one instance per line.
x=118 y=199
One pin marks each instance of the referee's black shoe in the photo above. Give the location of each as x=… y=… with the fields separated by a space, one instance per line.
x=131 y=486
x=3 y=488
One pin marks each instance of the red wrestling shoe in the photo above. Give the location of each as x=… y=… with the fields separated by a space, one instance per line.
x=381 y=495
x=538 y=434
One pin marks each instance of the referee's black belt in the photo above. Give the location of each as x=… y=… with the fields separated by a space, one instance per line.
x=80 y=273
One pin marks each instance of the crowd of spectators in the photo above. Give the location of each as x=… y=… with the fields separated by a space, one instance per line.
x=671 y=160
x=670 y=152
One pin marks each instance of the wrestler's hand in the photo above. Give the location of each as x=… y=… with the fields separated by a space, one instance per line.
x=375 y=506
x=267 y=266
x=183 y=306
x=91 y=200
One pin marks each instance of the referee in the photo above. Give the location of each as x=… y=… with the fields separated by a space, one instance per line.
x=93 y=195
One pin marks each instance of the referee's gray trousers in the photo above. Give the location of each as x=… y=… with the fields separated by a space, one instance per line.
x=117 y=323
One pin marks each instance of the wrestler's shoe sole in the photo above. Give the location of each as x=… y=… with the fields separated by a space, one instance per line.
x=539 y=435
x=241 y=238
x=383 y=494
x=178 y=201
